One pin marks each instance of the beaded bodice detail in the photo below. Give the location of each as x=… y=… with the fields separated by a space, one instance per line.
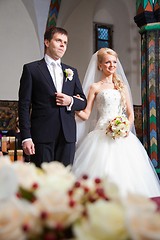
x=109 y=106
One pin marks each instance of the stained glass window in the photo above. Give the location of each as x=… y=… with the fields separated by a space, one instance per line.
x=103 y=36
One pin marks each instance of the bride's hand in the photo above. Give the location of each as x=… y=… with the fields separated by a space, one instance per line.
x=127 y=133
x=78 y=112
x=78 y=96
x=129 y=129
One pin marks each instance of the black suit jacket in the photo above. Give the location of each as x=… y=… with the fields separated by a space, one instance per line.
x=37 y=93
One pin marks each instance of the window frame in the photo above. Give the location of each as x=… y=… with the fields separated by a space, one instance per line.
x=110 y=34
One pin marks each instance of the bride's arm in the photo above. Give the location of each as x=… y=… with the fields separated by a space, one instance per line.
x=129 y=107
x=84 y=114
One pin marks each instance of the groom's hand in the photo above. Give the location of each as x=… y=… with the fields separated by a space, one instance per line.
x=63 y=99
x=28 y=147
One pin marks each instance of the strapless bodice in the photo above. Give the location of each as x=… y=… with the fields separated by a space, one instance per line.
x=108 y=105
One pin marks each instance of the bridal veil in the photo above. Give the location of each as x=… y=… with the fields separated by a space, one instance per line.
x=93 y=74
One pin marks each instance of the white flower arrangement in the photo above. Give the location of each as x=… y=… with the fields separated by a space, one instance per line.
x=118 y=127
x=68 y=74
x=49 y=203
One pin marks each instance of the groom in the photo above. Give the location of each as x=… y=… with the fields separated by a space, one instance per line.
x=47 y=104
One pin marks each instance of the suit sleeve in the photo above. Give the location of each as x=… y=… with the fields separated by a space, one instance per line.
x=78 y=104
x=24 y=104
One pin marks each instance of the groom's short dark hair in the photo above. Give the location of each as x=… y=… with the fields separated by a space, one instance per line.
x=52 y=30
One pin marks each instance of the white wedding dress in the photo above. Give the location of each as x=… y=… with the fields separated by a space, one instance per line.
x=124 y=160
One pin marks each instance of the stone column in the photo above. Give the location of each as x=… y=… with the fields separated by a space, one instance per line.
x=53 y=13
x=148 y=20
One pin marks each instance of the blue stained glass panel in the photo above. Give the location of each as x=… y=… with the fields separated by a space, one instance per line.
x=103 y=33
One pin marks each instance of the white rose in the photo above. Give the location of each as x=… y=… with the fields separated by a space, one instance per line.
x=52 y=196
x=136 y=202
x=144 y=225
x=143 y=220
x=31 y=219
x=57 y=168
x=8 y=182
x=55 y=182
x=56 y=205
x=105 y=220
x=69 y=73
x=11 y=218
x=27 y=174
x=111 y=189
x=5 y=160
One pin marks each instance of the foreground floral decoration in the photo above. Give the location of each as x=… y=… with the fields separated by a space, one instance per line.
x=118 y=127
x=50 y=204
x=68 y=74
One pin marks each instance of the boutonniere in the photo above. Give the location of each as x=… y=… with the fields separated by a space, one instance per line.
x=68 y=74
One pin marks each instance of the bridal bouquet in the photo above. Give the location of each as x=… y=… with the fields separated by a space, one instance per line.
x=118 y=127
x=51 y=204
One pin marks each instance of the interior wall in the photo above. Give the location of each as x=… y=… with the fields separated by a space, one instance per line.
x=21 y=37
x=126 y=36
x=20 y=41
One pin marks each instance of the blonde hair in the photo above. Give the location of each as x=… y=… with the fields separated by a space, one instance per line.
x=117 y=80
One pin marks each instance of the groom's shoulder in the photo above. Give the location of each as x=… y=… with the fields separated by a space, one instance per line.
x=36 y=62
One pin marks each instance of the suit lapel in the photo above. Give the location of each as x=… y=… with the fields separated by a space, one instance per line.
x=45 y=72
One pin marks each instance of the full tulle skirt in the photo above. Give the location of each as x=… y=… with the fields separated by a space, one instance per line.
x=124 y=161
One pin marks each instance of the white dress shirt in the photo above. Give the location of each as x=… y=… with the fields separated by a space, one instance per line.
x=56 y=72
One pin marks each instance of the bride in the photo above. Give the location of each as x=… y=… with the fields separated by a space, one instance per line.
x=122 y=159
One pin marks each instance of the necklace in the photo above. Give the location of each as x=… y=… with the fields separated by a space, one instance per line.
x=105 y=82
